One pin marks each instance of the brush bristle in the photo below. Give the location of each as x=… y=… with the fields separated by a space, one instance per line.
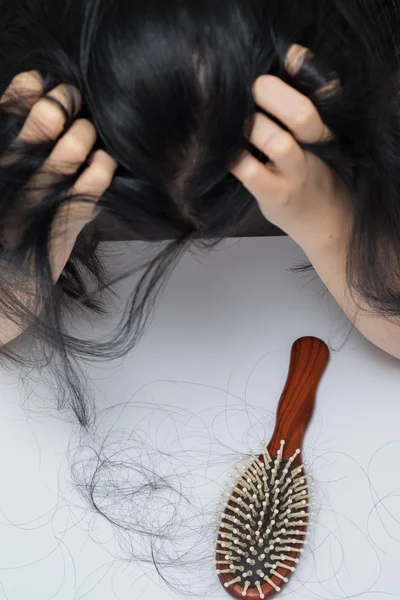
x=264 y=519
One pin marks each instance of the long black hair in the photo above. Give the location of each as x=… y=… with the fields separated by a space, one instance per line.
x=168 y=86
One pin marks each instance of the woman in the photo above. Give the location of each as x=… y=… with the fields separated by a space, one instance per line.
x=173 y=117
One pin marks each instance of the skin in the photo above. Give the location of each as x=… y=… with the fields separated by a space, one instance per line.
x=295 y=190
x=46 y=121
x=301 y=195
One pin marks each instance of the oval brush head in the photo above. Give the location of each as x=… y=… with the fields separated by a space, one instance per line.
x=263 y=527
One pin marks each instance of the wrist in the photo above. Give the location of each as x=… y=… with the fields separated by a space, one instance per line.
x=328 y=231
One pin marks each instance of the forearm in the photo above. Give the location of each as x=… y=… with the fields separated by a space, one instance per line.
x=329 y=262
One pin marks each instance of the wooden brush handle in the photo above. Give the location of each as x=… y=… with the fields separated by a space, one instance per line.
x=308 y=360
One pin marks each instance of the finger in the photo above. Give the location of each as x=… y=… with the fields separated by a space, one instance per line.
x=73 y=215
x=293 y=109
x=256 y=178
x=72 y=149
x=279 y=146
x=26 y=87
x=97 y=178
x=92 y=184
x=46 y=120
x=24 y=90
x=26 y=83
x=295 y=59
x=70 y=152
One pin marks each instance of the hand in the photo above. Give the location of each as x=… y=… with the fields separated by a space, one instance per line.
x=46 y=122
x=295 y=191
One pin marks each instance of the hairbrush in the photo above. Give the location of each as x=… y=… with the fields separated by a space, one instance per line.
x=265 y=516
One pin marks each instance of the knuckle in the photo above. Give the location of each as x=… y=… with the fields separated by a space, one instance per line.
x=47 y=118
x=28 y=81
x=259 y=85
x=305 y=114
x=79 y=140
x=285 y=198
x=18 y=81
x=100 y=175
x=85 y=128
x=281 y=145
x=251 y=172
x=75 y=146
x=22 y=93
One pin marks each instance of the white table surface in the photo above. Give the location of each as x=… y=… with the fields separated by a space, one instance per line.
x=201 y=387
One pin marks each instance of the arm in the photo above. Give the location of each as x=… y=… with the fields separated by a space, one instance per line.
x=301 y=195
x=329 y=262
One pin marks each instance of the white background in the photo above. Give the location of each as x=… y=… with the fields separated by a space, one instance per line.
x=201 y=387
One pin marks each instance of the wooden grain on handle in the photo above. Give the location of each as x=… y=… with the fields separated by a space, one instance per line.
x=308 y=361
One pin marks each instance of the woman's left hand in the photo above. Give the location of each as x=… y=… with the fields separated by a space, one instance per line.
x=295 y=190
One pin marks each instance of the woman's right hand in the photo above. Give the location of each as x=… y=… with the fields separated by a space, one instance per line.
x=45 y=122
